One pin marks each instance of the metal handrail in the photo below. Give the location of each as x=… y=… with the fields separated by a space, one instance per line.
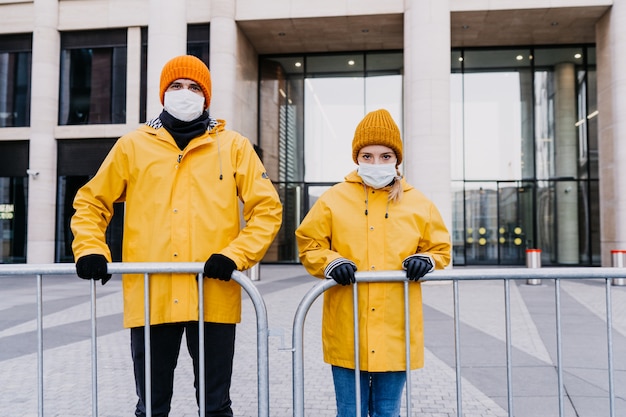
x=456 y=276
x=147 y=268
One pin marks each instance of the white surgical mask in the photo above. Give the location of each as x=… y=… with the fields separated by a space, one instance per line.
x=183 y=104
x=377 y=175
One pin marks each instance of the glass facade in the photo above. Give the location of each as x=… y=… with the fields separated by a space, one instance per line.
x=524 y=144
x=15 y=64
x=93 y=77
x=525 y=169
x=309 y=108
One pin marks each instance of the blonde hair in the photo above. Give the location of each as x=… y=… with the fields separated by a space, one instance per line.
x=395 y=194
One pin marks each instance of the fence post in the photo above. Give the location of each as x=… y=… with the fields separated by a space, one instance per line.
x=617 y=261
x=533 y=260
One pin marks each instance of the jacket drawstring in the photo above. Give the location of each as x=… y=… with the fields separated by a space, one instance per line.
x=367 y=198
x=219 y=154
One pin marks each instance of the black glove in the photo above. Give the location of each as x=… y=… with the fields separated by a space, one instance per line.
x=417 y=267
x=93 y=267
x=219 y=266
x=343 y=273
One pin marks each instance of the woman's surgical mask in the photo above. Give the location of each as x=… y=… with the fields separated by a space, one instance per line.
x=377 y=175
x=183 y=104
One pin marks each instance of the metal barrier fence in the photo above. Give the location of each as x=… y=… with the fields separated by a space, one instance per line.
x=40 y=270
x=456 y=276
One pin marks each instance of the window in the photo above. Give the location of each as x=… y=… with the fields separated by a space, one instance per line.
x=309 y=108
x=13 y=201
x=15 y=68
x=524 y=135
x=93 y=77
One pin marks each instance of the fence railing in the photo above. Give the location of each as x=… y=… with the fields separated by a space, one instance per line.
x=456 y=276
x=40 y=270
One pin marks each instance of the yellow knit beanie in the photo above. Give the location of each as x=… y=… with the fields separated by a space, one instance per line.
x=190 y=67
x=377 y=128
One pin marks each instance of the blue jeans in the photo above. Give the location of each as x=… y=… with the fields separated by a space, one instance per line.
x=381 y=392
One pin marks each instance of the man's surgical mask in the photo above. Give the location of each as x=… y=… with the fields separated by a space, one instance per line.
x=183 y=104
x=377 y=175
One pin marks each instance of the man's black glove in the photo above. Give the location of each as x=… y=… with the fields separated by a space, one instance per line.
x=343 y=273
x=417 y=267
x=219 y=266
x=94 y=267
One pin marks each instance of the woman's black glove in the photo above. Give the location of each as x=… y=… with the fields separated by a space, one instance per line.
x=343 y=273
x=417 y=267
x=219 y=266
x=94 y=267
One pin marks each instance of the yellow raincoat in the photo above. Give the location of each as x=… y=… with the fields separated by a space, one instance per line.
x=337 y=226
x=180 y=206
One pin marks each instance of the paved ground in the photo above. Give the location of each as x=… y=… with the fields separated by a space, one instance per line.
x=67 y=357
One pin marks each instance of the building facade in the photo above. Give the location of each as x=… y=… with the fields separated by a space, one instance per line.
x=512 y=112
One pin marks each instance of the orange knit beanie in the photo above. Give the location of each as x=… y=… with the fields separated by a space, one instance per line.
x=190 y=67
x=377 y=128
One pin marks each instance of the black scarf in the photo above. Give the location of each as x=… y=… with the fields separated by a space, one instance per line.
x=184 y=132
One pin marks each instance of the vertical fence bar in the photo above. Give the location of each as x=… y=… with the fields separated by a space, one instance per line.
x=457 y=349
x=507 y=325
x=201 y=360
x=263 y=380
x=94 y=352
x=39 y=345
x=407 y=345
x=147 y=345
x=357 y=353
x=298 y=344
x=559 y=353
x=609 y=342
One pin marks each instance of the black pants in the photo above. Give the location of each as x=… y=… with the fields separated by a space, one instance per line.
x=165 y=340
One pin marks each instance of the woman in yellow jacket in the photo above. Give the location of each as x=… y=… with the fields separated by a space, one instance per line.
x=373 y=221
x=184 y=179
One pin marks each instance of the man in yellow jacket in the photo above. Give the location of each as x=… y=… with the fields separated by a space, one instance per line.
x=184 y=179
x=373 y=221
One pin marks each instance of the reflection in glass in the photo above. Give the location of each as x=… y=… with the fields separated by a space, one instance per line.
x=524 y=128
x=93 y=78
x=481 y=222
x=330 y=120
x=457 y=232
x=515 y=221
x=494 y=113
x=321 y=98
x=15 y=74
